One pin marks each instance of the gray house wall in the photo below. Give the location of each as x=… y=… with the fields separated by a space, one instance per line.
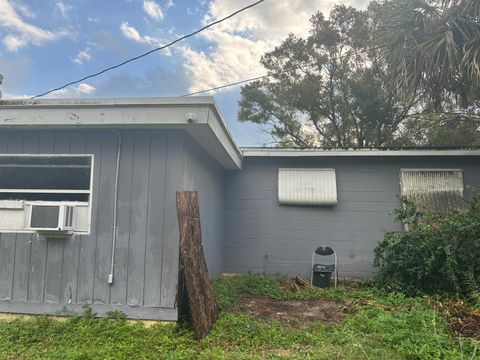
x=204 y=174
x=243 y=227
x=42 y=275
x=265 y=237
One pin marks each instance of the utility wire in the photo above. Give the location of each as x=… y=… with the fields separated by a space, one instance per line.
x=358 y=52
x=268 y=75
x=228 y=85
x=151 y=51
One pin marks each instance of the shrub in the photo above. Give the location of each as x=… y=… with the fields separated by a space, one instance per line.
x=435 y=255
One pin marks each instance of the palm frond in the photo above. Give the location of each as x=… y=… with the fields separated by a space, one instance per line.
x=471 y=60
x=473 y=289
x=471 y=9
x=433 y=46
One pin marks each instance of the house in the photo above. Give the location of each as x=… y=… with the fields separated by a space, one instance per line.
x=88 y=209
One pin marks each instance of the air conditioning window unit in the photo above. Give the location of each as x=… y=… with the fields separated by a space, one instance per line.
x=52 y=217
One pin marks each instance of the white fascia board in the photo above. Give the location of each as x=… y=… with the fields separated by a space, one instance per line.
x=222 y=133
x=78 y=102
x=259 y=152
x=207 y=126
x=101 y=114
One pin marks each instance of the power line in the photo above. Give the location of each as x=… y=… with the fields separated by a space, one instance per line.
x=226 y=85
x=299 y=67
x=260 y=77
x=151 y=51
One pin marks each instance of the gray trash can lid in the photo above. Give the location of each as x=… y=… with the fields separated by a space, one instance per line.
x=324 y=251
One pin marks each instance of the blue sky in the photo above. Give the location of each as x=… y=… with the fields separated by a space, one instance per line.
x=46 y=43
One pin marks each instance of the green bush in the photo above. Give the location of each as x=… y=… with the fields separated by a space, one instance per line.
x=436 y=254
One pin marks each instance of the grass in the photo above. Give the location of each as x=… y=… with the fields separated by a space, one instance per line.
x=391 y=326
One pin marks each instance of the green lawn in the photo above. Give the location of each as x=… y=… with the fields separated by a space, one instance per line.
x=375 y=326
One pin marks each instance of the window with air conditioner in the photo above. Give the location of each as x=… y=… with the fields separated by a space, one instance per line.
x=51 y=217
x=45 y=192
x=439 y=190
x=311 y=187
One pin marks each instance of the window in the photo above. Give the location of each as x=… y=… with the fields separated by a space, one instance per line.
x=307 y=187
x=49 y=181
x=439 y=190
x=47 y=178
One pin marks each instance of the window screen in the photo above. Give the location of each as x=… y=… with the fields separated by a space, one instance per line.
x=45 y=178
x=439 y=190
x=307 y=187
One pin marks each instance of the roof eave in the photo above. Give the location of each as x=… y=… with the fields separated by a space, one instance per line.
x=198 y=116
x=265 y=152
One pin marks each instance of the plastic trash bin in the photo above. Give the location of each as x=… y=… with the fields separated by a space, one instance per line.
x=322 y=275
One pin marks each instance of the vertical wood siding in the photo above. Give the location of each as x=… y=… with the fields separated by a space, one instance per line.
x=35 y=269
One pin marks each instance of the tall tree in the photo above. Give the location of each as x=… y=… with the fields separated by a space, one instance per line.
x=440 y=130
x=330 y=89
x=433 y=48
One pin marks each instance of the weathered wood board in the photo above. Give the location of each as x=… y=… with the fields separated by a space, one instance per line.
x=201 y=300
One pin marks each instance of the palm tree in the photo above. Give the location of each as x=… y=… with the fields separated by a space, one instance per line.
x=433 y=48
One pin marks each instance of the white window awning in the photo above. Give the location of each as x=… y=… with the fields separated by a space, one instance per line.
x=307 y=186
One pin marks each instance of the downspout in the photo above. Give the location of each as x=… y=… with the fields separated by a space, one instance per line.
x=115 y=201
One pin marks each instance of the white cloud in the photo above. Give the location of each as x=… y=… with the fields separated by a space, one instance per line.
x=80 y=90
x=86 y=88
x=132 y=33
x=82 y=57
x=238 y=43
x=6 y=96
x=235 y=58
x=21 y=33
x=73 y=91
x=63 y=8
x=169 y=4
x=23 y=9
x=153 y=10
x=13 y=43
x=197 y=10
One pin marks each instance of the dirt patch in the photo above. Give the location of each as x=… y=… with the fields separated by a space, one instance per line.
x=325 y=310
x=464 y=320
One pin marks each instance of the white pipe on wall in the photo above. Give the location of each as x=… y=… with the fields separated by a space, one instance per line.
x=114 y=232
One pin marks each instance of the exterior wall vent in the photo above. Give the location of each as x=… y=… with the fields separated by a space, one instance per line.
x=307 y=187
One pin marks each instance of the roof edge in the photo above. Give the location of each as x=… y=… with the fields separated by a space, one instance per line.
x=377 y=152
x=174 y=111
x=90 y=102
x=226 y=132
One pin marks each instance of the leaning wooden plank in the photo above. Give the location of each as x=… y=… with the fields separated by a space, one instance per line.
x=201 y=300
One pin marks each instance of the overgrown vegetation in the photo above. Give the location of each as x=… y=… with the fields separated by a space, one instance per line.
x=377 y=326
x=473 y=289
x=438 y=254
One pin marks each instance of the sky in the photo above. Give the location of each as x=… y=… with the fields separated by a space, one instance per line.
x=46 y=43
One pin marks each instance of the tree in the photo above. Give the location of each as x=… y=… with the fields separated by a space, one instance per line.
x=330 y=89
x=440 y=130
x=433 y=48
